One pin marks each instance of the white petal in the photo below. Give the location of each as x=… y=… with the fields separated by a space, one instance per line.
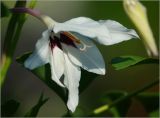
x=84 y=26
x=98 y=30
x=89 y=59
x=118 y=32
x=71 y=80
x=41 y=54
x=57 y=65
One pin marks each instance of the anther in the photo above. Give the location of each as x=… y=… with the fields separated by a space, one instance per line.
x=85 y=46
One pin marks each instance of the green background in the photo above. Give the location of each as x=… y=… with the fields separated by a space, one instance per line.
x=26 y=88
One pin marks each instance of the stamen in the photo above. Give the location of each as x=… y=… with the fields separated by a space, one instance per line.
x=68 y=38
x=54 y=41
x=85 y=46
x=73 y=38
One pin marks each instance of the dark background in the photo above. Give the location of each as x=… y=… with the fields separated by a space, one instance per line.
x=23 y=86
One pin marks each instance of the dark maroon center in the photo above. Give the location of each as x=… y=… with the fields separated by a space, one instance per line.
x=55 y=41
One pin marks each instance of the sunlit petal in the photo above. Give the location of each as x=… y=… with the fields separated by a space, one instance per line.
x=99 y=31
x=72 y=77
x=57 y=65
x=90 y=59
x=41 y=54
x=84 y=26
x=118 y=32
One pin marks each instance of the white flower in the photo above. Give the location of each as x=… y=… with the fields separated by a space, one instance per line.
x=68 y=46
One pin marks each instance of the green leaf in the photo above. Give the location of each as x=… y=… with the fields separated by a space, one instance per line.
x=121 y=108
x=4 y=10
x=149 y=101
x=44 y=74
x=9 y=108
x=154 y=114
x=126 y=61
x=35 y=109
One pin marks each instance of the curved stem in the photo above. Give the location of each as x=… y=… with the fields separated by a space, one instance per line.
x=49 y=22
x=108 y=106
x=32 y=12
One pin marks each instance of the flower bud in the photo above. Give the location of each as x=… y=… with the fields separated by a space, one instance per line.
x=138 y=15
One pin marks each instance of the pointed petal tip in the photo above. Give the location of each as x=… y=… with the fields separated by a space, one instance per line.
x=134 y=34
x=71 y=107
x=104 y=72
x=28 y=65
x=99 y=71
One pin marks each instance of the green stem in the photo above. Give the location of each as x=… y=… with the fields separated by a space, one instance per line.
x=9 y=56
x=11 y=33
x=130 y=95
x=12 y=26
x=18 y=32
x=12 y=36
x=5 y=69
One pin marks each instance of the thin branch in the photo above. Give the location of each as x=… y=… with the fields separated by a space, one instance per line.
x=106 y=107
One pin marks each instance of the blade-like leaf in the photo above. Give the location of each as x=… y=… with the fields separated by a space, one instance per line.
x=4 y=10
x=9 y=108
x=35 y=109
x=126 y=61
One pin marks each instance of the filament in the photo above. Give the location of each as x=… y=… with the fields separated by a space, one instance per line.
x=85 y=46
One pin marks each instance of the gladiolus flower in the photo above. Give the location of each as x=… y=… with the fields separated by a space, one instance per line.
x=68 y=47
